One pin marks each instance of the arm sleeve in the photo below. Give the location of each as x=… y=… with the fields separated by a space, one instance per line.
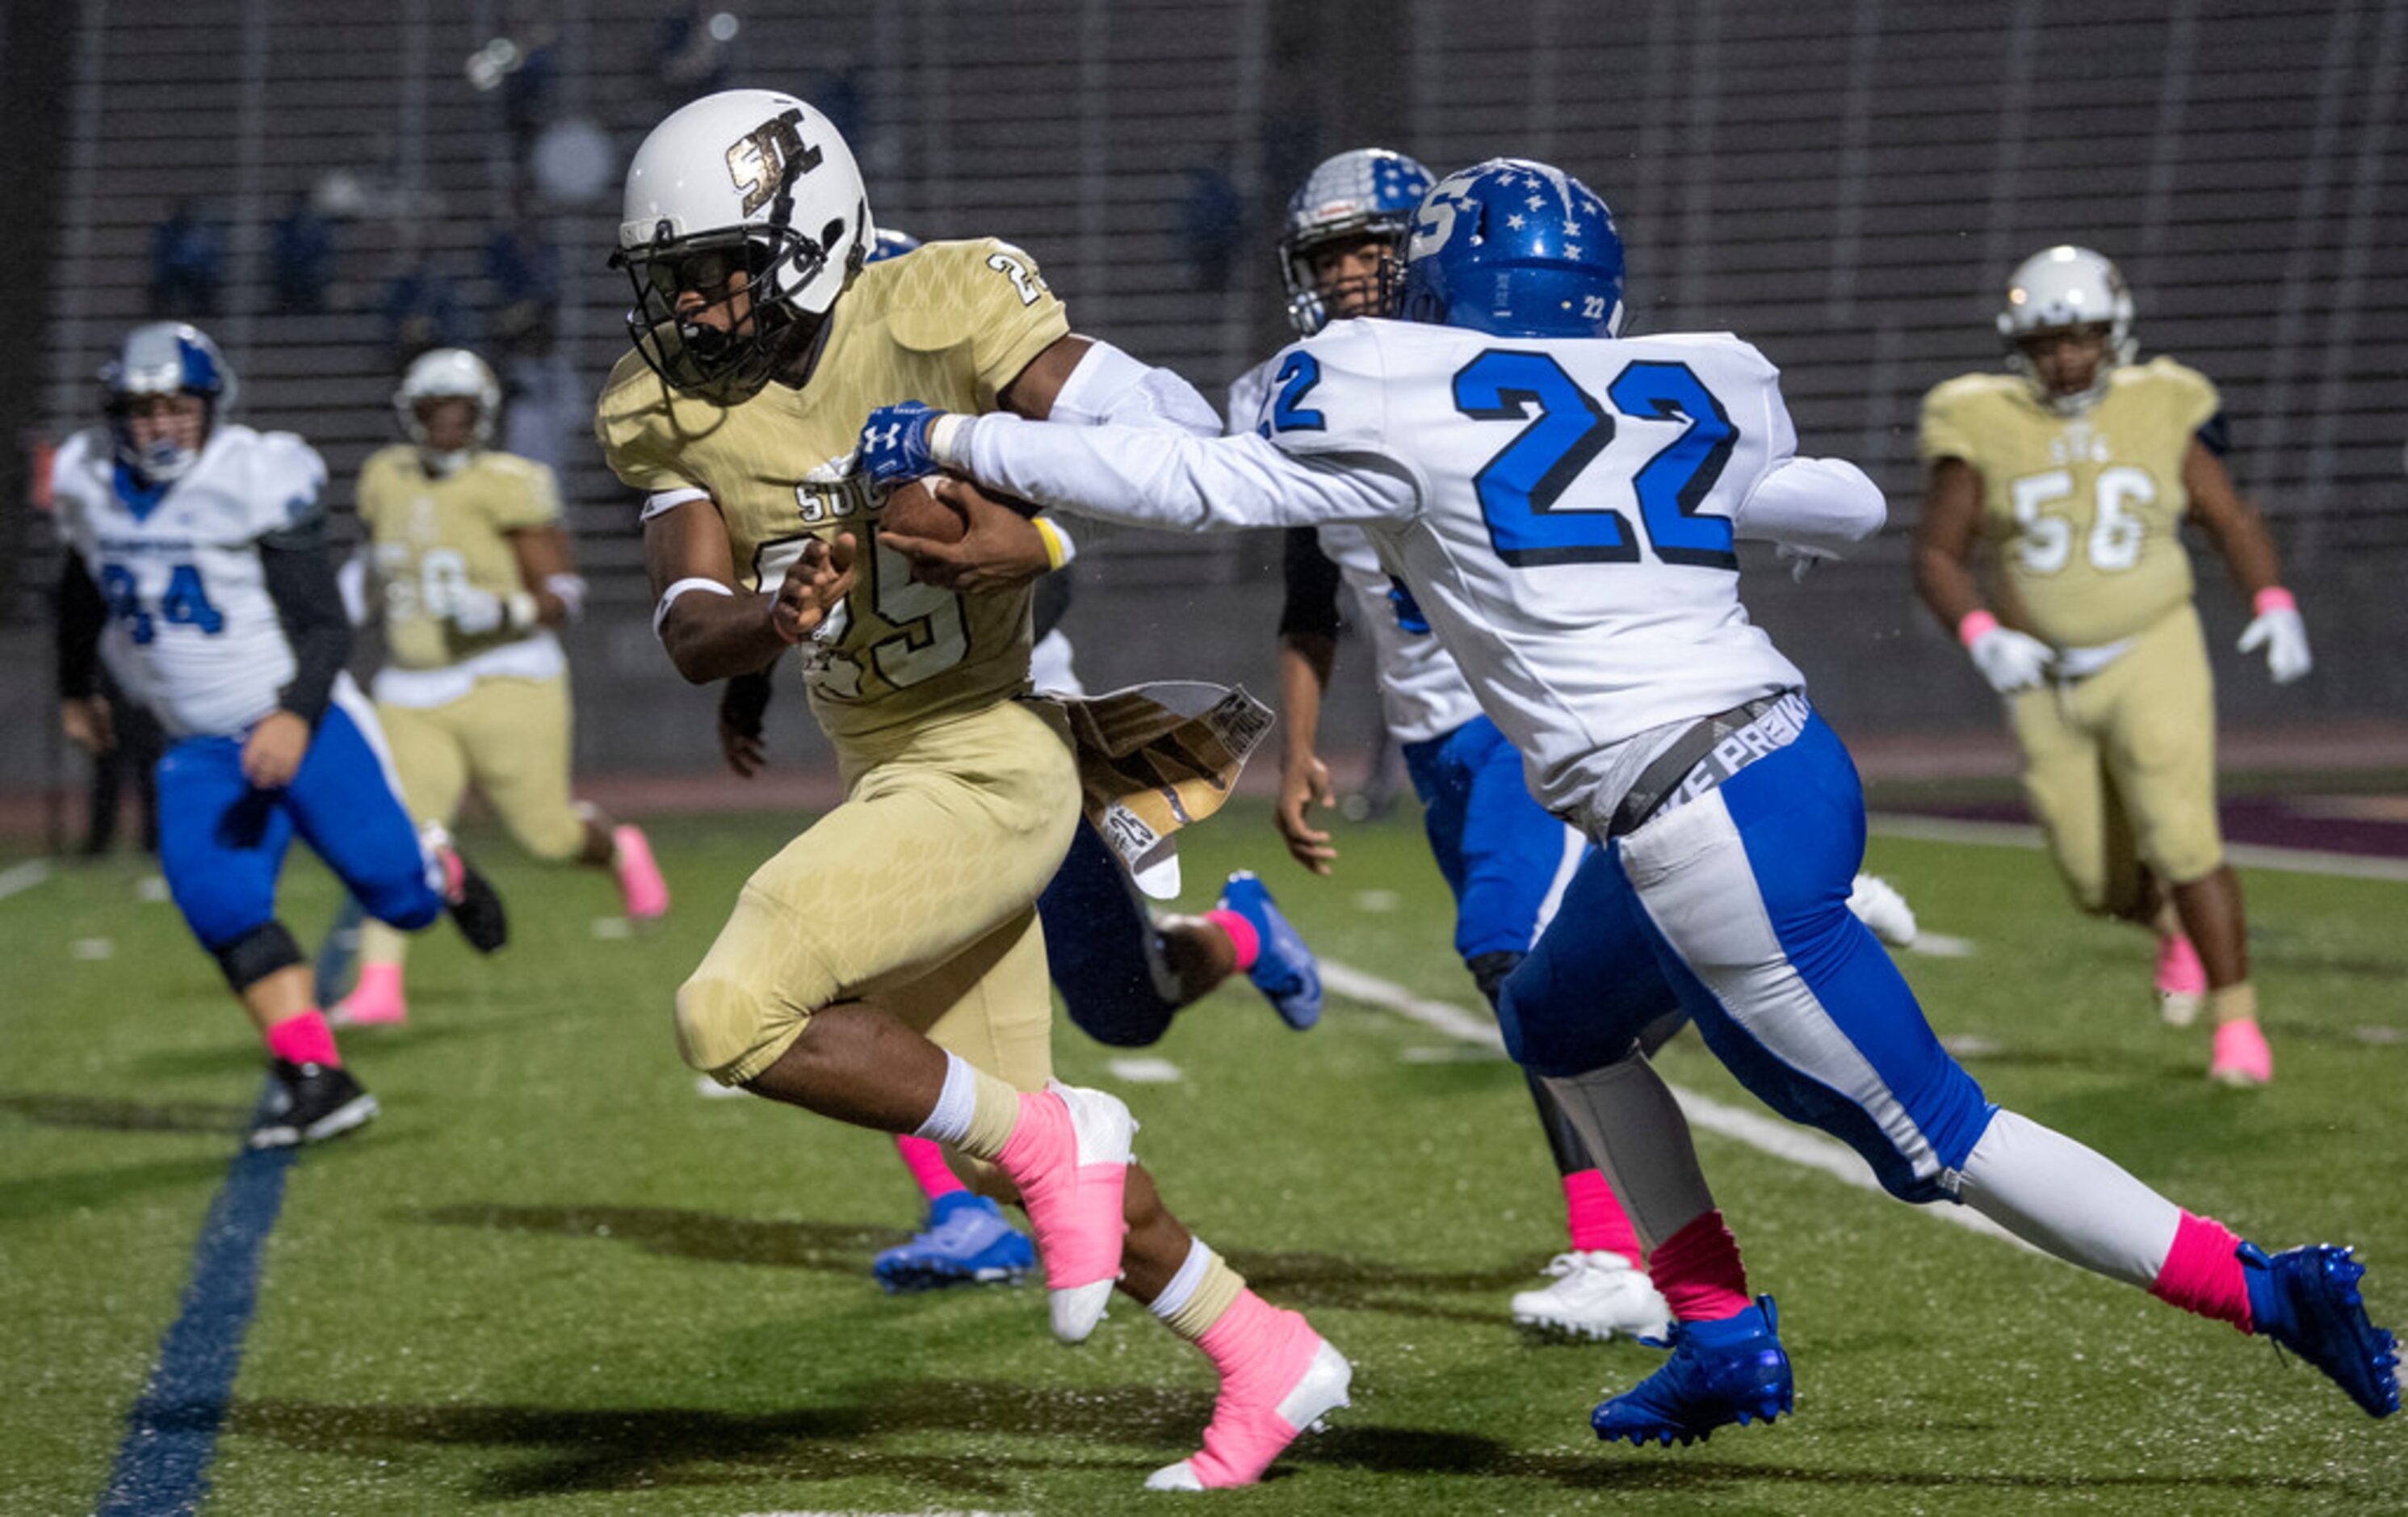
x=1111 y=388
x=300 y=576
x=1147 y=477
x=1310 y=607
x=1823 y=505
x=82 y=616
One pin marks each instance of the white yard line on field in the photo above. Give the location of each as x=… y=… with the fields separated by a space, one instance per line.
x=2248 y=855
x=17 y=878
x=1768 y=1134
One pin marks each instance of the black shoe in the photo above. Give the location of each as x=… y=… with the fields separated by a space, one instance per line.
x=476 y=908
x=310 y=1104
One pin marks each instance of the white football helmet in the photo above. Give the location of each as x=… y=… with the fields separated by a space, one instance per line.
x=746 y=180
x=2060 y=287
x=163 y=359
x=448 y=374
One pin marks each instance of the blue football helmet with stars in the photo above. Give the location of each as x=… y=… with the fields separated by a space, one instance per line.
x=1514 y=249
x=1369 y=191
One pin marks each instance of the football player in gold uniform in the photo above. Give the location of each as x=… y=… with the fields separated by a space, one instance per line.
x=886 y=967
x=469 y=567
x=2078 y=468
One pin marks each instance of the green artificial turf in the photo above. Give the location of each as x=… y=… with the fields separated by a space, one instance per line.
x=553 y=1278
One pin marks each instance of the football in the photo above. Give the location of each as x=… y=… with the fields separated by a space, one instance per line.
x=914 y=511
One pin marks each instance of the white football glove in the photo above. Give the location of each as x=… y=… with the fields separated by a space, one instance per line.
x=1801 y=561
x=2285 y=637
x=475 y=612
x=2011 y=660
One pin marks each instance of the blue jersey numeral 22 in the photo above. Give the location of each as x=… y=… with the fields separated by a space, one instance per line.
x=1521 y=487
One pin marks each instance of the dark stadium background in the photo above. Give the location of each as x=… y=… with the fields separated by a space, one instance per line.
x=1847 y=185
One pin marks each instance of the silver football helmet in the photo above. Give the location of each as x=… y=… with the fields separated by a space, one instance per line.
x=746 y=181
x=448 y=374
x=1367 y=192
x=2061 y=287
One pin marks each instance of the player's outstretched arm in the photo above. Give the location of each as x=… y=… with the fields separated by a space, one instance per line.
x=1140 y=476
x=711 y=629
x=2238 y=533
x=1821 y=507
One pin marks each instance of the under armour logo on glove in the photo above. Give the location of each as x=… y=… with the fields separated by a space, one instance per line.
x=894 y=444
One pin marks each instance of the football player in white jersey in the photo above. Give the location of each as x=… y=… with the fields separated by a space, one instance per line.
x=1565 y=504
x=1506 y=860
x=2080 y=467
x=197 y=564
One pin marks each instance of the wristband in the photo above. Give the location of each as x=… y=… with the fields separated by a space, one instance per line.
x=669 y=596
x=2273 y=598
x=944 y=433
x=1060 y=547
x=1976 y=626
x=570 y=590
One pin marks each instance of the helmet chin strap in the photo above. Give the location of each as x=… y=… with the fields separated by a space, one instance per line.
x=444 y=465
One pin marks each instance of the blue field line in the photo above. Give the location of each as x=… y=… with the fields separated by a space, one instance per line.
x=172 y=1433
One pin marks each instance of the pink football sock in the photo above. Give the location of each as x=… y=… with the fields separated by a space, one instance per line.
x=1698 y=1270
x=2179 y=969
x=2202 y=1274
x=927 y=1162
x=304 y=1039
x=1241 y=935
x=1595 y=1217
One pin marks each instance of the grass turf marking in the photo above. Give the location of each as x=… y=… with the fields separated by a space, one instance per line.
x=17 y=878
x=2355 y=866
x=171 y=1434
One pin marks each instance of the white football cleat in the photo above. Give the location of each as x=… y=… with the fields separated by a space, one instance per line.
x=1877 y=905
x=1596 y=1294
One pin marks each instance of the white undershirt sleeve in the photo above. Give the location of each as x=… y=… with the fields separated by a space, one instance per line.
x=1108 y=387
x=1825 y=506
x=1154 y=477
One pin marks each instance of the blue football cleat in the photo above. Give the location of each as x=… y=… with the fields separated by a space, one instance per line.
x=1729 y=1371
x=1284 y=969
x=967 y=1243
x=2306 y=1299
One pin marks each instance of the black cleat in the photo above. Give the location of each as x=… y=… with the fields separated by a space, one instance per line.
x=476 y=908
x=310 y=1104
